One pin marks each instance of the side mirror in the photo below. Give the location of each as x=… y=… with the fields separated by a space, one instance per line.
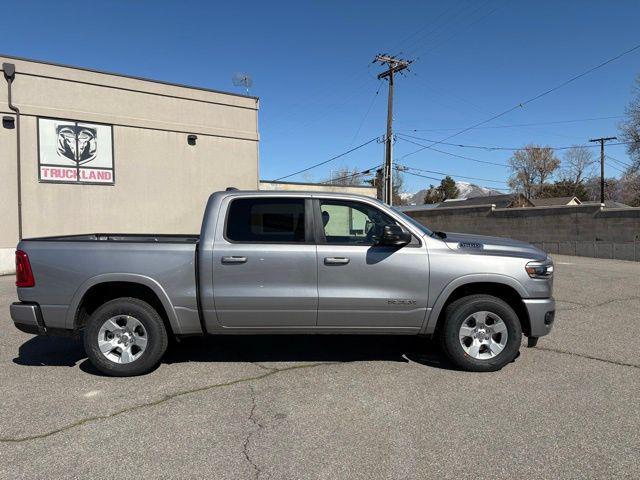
x=394 y=236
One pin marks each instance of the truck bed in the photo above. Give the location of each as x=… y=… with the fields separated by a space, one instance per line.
x=122 y=237
x=65 y=267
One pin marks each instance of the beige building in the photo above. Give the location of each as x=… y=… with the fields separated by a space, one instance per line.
x=99 y=152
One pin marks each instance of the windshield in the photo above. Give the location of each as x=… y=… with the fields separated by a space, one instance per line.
x=413 y=222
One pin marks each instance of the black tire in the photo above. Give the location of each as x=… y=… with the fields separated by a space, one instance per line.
x=461 y=309
x=156 y=335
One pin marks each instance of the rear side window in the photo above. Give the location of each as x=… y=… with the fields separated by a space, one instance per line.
x=254 y=220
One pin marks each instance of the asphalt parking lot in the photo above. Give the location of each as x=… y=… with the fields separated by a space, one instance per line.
x=339 y=407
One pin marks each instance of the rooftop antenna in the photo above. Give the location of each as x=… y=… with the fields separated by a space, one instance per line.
x=243 y=80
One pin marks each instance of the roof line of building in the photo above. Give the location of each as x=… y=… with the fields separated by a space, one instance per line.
x=133 y=77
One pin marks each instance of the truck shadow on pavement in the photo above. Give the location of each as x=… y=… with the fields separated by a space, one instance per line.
x=41 y=351
x=67 y=352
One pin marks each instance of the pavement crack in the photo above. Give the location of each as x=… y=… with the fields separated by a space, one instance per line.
x=264 y=367
x=613 y=300
x=257 y=427
x=574 y=354
x=579 y=305
x=162 y=400
x=596 y=305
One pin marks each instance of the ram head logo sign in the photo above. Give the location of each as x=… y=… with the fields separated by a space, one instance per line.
x=77 y=143
x=68 y=152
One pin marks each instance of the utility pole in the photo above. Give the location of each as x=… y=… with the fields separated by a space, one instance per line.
x=602 y=140
x=394 y=65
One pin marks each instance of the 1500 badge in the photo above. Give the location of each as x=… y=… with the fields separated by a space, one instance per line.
x=477 y=246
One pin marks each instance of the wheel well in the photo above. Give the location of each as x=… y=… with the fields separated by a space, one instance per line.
x=104 y=292
x=499 y=290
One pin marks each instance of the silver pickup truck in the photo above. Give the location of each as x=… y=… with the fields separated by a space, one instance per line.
x=294 y=262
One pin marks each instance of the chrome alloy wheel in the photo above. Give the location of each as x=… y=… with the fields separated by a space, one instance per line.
x=122 y=339
x=483 y=335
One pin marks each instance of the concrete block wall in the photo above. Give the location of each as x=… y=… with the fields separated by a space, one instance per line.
x=583 y=230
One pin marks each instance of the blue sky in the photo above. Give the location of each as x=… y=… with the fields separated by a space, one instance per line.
x=311 y=66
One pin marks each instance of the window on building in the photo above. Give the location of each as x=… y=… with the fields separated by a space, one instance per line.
x=255 y=220
x=353 y=222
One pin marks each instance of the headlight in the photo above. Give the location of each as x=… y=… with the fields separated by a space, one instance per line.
x=539 y=270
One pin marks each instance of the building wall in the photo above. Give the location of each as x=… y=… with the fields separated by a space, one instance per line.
x=583 y=230
x=161 y=182
x=318 y=187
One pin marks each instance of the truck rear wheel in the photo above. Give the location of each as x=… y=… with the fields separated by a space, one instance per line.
x=481 y=333
x=125 y=337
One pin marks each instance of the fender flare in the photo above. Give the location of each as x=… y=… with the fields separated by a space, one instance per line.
x=122 y=277
x=430 y=325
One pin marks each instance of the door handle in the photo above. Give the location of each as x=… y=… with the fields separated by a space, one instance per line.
x=336 y=260
x=233 y=260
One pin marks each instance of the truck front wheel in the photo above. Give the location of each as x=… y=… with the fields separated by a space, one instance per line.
x=125 y=337
x=481 y=333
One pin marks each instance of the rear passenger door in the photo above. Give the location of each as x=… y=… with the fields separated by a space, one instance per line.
x=264 y=263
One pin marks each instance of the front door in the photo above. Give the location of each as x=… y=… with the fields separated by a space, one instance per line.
x=360 y=283
x=264 y=264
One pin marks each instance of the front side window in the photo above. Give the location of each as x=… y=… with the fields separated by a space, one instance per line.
x=352 y=223
x=255 y=220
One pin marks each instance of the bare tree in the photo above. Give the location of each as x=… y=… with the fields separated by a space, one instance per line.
x=545 y=162
x=308 y=177
x=346 y=176
x=630 y=127
x=398 y=186
x=630 y=189
x=578 y=164
x=611 y=189
x=531 y=167
x=625 y=189
x=523 y=174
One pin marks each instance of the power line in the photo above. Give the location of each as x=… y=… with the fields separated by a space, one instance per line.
x=419 y=175
x=558 y=122
x=453 y=175
x=617 y=168
x=466 y=27
x=302 y=105
x=373 y=100
x=329 y=160
x=483 y=110
x=439 y=179
x=357 y=174
x=424 y=27
x=532 y=99
x=444 y=27
x=451 y=154
x=511 y=149
x=619 y=161
x=339 y=104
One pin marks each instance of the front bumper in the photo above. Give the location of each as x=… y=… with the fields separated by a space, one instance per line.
x=27 y=317
x=541 y=315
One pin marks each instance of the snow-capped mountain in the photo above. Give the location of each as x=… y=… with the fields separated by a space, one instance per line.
x=466 y=189
x=470 y=190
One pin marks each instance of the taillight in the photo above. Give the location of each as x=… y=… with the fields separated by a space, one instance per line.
x=24 y=275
